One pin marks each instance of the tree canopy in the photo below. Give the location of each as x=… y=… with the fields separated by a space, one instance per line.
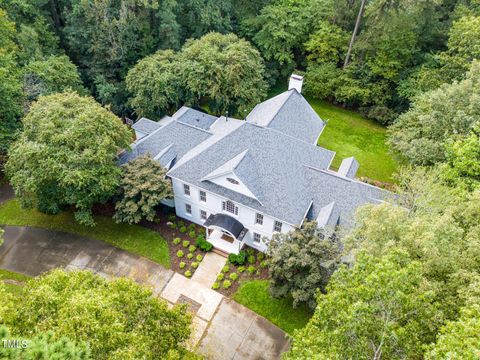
x=67 y=155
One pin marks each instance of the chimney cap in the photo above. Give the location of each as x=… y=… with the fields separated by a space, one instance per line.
x=296 y=82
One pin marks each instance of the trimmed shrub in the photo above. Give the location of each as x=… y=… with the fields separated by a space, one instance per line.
x=264 y=264
x=202 y=231
x=173 y=226
x=192 y=234
x=192 y=248
x=191 y=227
x=237 y=259
x=226 y=269
x=177 y=241
x=182 y=265
x=180 y=253
x=188 y=273
x=251 y=269
x=216 y=285
x=233 y=276
x=189 y=256
x=251 y=259
x=183 y=229
x=220 y=277
x=199 y=257
x=250 y=251
x=172 y=218
x=241 y=269
x=260 y=256
x=180 y=223
x=185 y=243
x=194 y=265
x=203 y=244
x=227 y=284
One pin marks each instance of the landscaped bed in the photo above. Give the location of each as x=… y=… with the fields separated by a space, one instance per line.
x=133 y=238
x=13 y=281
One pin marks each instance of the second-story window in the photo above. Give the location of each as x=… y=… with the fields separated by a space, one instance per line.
x=277 y=226
x=203 y=215
x=259 y=219
x=188 y=209
x=203 y=196
x=257 y=238
x=186 y=189
x=230 y=207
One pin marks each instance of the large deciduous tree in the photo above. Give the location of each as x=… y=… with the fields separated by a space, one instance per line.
x=66 y=155
x=379 y=308
x=143 y=186
x=118 y=319
x=420 y=134
x=301 y=263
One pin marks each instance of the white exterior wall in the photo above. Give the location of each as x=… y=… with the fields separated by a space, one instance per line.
x=213 y=205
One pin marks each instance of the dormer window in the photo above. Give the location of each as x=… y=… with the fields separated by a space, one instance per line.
x=232 y=181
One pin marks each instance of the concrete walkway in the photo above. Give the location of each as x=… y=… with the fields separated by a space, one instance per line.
x=222 y=329
x=209 y=268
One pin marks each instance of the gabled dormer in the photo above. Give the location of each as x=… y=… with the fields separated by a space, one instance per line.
x=226 y=176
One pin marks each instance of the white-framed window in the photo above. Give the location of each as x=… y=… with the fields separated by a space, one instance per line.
x=186 y=189
x=230 y=207
x=259 y=219
x=203 y=196
x=203 y=215
x=188 y=209
x=277 y=226
x=256 y=238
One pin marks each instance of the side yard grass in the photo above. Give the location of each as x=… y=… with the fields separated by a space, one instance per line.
x=13 y=281
x=255 y=296
x=133 y=238
x=350 y=134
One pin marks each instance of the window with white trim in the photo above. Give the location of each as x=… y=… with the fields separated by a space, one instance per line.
x=230 y=207
x=203 y=215
x=203 y=196
x=188 y=209
x=186 y=189
x=256 y=238
x=277 y=226
x=259 y=219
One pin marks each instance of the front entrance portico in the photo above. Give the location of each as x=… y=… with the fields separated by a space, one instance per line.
x=225 y=233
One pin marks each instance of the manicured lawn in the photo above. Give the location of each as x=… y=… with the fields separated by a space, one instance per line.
x=254 y=295
x=135 y=239
x=14 y=289
x=350 y=134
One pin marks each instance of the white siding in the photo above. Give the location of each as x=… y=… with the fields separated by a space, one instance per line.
x=213 y=205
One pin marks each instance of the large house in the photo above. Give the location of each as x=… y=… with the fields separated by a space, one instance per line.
x=247 y=179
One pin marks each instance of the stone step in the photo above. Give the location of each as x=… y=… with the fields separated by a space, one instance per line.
x=220 y=252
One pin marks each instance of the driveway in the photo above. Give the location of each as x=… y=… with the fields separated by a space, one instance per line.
x=222 y=329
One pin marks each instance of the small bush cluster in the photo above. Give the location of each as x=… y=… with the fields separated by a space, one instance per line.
x=241 y=269
x=192 y=248
x=238 y=259
x=225 y=269
x=180 y=253
x=182 y=265
x=233 y=276
x=220 y=277
x=203 y=244
x=216 y=285
x=188 y=273
x=185 y=243
x=227 y=284
x=177 y=241
x=183 y=229
x=192 y=234
x=199 y=257
x=251 y=269
x=194 y=265
x=190 y=256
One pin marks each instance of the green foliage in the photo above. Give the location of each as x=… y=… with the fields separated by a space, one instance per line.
x=192 y=234
x=378 y=305
x=226 y=269
x=188 y=273
x=185 y=243
x=153 y=81
x=241 y=269
x=88 y=308
x=172 y=218
x=220 y=277
x=195 y=264
x=52 y=75
x=420 y=134
x=227 y=284
x=328 y=44
x=180 y=253
x=191 y=227
x=173 y=226
x=203 y=244
x=177 y=241
x=192 y=248
x=199 y=258
x=216 y=285
x=183 y=229
x=300 y=262
x=181 y=265
x=237 y=259
x=189 y=256
x=251 y=269
x=44 y=345
x=66 y=155
x=260 y=256
x=251 y=259
x=143 y=186
x=233 y=276
x=264 y=264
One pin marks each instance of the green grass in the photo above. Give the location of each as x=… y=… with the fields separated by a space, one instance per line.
x=255 y=296
x=132 y=238
x=350 y=134
x=14 y=289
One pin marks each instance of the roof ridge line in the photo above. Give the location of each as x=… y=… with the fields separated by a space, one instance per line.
x=283 y=104
x=194 y=127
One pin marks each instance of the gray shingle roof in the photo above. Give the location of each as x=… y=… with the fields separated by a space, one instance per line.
x=146 y=126
x=349 y=167
x=183 y=138
x=289 y=113
x=270 y=169
x=326 y=187
x=197 y=118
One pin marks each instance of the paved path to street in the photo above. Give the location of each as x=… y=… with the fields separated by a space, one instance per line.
x=222 y=330
x=209 y=268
